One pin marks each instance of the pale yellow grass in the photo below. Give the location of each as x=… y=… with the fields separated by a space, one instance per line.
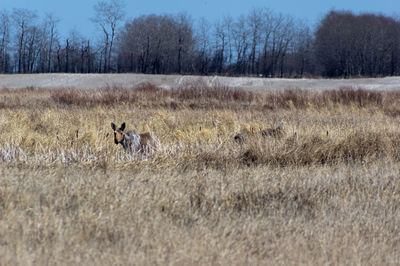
x=70 y=196
x=317 y=215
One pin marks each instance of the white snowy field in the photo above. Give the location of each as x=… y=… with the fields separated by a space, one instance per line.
x=93 y=81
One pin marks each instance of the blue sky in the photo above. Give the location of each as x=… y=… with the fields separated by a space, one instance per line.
x=76 y=13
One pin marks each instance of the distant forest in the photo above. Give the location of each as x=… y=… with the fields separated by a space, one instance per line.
x=260 y=43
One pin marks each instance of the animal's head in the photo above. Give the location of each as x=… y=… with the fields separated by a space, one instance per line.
x=119 y=134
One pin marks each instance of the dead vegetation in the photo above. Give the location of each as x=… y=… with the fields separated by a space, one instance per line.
x=323 y=191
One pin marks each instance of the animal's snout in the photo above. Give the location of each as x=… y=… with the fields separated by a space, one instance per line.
x=118 y=137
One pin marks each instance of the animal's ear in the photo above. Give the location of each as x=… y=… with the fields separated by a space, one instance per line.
x=113 y=126
x=122 y=126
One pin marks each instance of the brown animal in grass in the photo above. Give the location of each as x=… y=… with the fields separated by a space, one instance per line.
x=274 y=132
x=133 y=142
x=270 y=132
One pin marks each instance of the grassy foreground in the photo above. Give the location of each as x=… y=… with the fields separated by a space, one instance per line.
x=327 y=191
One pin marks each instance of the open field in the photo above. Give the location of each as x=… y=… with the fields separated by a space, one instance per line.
x=95 y=81
x=325 y=191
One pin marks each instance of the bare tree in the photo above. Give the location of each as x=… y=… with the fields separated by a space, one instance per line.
x=107 y=16
x=32 y=48
x=241 y=43
x=184 y=39
x=50 y=29
x=220 y=43
x=202 y=46
x=156 y=44
x=23 y=19
x=302 y=60
x=76 y=56
x=278 y=35
x=255 y=22
x=4 y=41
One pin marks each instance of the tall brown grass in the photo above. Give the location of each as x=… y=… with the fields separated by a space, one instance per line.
x=325 y=192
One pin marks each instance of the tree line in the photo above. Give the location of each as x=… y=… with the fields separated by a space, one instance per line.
x=364 y=45
x=259 y=43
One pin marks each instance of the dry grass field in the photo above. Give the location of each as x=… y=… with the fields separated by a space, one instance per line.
x=325 y=191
